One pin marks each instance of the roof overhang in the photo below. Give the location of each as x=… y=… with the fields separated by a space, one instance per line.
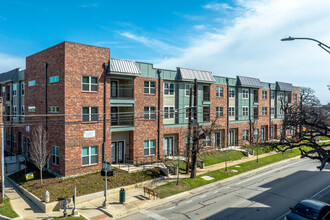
x=285 y=87
x=250 y=82
x=200 y=75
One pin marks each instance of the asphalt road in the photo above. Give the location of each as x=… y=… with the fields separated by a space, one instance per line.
x=265 y=195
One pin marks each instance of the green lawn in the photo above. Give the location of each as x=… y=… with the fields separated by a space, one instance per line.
x=324 y=138
x=188 y=184
x=7 y=210
x=211 y=158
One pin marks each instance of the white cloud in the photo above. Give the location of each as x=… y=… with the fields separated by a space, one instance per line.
x=8 y=62
x=217 y=6
x=251 y=45
x=92 y=5
x=199 y=27
x=154 y=44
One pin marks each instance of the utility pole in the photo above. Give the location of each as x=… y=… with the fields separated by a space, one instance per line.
x=195 y=139
x=2 y=155
x=189 y=132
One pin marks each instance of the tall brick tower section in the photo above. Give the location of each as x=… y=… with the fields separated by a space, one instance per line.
x=67 y=130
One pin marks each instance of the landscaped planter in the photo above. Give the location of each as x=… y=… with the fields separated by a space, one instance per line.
x=57 y=205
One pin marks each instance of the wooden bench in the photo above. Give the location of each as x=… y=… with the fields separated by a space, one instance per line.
x=150 y=192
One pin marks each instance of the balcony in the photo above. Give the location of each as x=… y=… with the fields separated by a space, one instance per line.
x=206 y=114
x=122 y=92
x=206 y=95
x=122 y=119
x=255 y=96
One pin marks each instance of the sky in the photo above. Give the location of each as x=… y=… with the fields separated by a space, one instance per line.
x=229 y=38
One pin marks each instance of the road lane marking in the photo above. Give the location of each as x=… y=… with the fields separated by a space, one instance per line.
x=152 y=215
x=203 y=196
x=268 y=172
x=320 y=191
x=171 y=208
x=189 y=201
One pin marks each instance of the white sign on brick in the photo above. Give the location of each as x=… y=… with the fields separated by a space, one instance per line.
x=89 y=134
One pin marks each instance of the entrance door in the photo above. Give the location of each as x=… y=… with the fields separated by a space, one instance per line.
x=263 y=133
x=114 y=89
x=117 y=152
x=232 y=137
x=169 y=146
x=219 y=139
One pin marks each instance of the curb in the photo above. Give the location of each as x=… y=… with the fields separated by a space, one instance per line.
x=153 y=203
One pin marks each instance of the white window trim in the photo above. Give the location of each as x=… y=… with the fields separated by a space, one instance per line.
x=216 y=94
x=232 y=88
x=149 y=148
x=54 y=108
x=216 y=111
x=90 y=156
x=264 y=93
x=31 y=82
x=247 y=136
x=248 y=111
x=14 y=94
x=185 y=89
x=149 y=87
x=262 y=111
x=173 y=89
x=56 y=156
x=149 y=113
x=185 y=112
x=90 y=84
x=53 y=77
x=229 y=111
x=169 y=112
x=33 y=107
x=89 y=113
x=248 y=95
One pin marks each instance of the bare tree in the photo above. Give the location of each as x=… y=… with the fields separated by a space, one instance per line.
x=39 y=151
x=309 y=124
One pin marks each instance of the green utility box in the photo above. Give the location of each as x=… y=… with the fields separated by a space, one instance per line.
x=122 y=195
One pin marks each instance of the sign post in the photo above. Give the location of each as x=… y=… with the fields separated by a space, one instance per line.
x=106 y=168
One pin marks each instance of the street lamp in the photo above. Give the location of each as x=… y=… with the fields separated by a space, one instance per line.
x=320 y=44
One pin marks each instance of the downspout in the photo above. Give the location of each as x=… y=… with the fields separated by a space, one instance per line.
x=250 y=122
x=270 y=111
x=159 y=106
x=227 y=80
x=106 y=71
x=46 y=100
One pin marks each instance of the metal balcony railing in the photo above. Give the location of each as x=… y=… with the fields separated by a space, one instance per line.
x=122 y=119
x=206 y=97
x=122 y=93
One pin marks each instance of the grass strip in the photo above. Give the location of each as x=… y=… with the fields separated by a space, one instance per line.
x=219 y=157
x=171 y=188
x=7 y=210
x=70 y=218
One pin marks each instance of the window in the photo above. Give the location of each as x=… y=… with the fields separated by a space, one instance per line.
x=188 y=87
x=3 y=91
x=15 y=89
x=281 y=111
x=22 y=111
x=231 y=111
x=8 y=139
x=149 y=112
x=231 y=92
x=264 y=110
x=149 y=147
x=219 y=92
x=245 y=135
x=55 y=155
x=256 y=134
x=22 y=88
x=89 y=155
x=14 y=141
x=191 y=142
x=264 y=94
x=168 y=112
x=90 y=114
x=53 y=109
x=31 y=108
x=219 y=111
x=245 y=111
x=168 y=88
x=14 y=111
x=90 y=84
x=53 y=79
x=295 y=97
x=272 y=111
x=272 y=95
x=245 y=93
x=32 y=83
x=187 y=112
x=207 y=141
x=281 y=95
x=149 y=87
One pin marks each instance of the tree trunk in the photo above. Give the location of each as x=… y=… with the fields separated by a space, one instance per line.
x=193 y=164
x=40 y=176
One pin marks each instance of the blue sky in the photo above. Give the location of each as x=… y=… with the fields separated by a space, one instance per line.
x=229 y=38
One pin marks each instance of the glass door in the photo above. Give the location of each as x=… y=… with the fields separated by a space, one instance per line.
x=113 y=152
x=232 y=138
x=169 y=146
x=114 y=89
x=120 y=151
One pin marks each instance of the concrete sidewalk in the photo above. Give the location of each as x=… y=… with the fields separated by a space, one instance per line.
x=135 y=200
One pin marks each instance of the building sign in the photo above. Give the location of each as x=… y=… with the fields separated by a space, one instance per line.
x=89 y=134
x=29 y=176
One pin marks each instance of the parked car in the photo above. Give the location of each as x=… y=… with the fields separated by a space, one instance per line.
x=309 y=209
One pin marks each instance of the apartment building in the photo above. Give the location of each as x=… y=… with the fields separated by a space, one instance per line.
x=128 y=111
